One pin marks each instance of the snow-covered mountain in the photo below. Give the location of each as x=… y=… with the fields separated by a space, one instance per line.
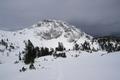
x=33 y=53
x=49 y=33
x=45 y=33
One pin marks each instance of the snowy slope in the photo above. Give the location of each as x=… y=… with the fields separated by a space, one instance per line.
x=48 y=33
x=85 y=67
x=79 y=64
x=45 y=33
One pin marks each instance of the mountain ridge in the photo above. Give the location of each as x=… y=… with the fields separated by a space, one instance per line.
x=52 y=34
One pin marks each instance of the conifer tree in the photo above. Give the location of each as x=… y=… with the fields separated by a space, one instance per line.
x=29 y=53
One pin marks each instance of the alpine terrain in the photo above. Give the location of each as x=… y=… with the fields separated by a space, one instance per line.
x=56 y=50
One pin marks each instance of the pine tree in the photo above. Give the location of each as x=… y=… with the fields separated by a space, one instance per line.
x=76 y=47
x=86 y=46
x=20 y=56
x=29 y=53
x=60 y=47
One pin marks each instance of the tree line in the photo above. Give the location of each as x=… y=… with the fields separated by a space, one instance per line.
x=31 y=52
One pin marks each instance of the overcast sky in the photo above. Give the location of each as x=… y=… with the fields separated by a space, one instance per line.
x=92 y=16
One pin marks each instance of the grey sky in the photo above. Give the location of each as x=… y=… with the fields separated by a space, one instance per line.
x=92 y=16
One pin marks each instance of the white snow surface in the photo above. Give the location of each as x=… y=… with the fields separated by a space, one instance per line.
x=78 y=65
x=85 y=67
x=45 y=33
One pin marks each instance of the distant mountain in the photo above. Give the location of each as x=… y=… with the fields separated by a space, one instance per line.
x=117 y=34
x=53 y=35
x=46 y=33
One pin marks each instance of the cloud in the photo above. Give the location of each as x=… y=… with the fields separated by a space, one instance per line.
x=96 y=14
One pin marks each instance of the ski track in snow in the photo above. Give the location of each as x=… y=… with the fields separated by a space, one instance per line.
x=85 y=67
